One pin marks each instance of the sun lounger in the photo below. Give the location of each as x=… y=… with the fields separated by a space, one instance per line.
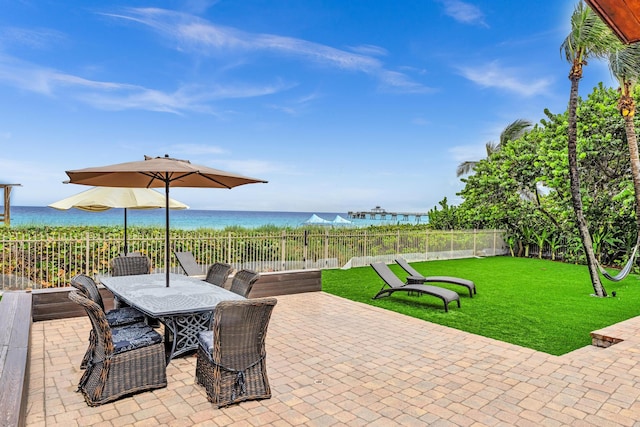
x=189 y=264
x=395 y=285
x=416 y=278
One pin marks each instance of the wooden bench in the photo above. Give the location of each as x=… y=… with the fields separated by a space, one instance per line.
x=15 y=332
x=273 y=283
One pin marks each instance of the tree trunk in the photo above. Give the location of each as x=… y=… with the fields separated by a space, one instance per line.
x=574 y=179
x=632 y=141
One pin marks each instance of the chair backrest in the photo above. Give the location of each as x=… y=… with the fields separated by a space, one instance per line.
x=130 y=265
x=239 y=332
x=407 y=267
x=188 y=263
x=104 y=341
x=218 y=274
x=387 y=275
x=243 y=281
x=88 y=287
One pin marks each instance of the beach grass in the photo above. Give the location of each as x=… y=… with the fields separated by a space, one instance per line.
x=543 y=305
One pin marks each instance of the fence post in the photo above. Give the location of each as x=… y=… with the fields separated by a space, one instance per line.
x=283 y=249
x=475 y=235
x=326 y=248
x=86 y=254
x=426 y=246
x=398 y=243
x=229 y=260
x=365 y=244
x=495 y=235
x=451 y=256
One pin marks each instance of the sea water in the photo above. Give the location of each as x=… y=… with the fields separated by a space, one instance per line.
x=188 y=219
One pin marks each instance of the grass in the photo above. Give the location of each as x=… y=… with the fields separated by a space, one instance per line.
x=543 y=305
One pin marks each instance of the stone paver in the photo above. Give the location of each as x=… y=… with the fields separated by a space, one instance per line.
x=336 y=362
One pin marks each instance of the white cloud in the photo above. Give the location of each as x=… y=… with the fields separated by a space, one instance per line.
x=121 y=96
x=34 y=38
x=463 y=12
x=493 y=75
x=205 y=38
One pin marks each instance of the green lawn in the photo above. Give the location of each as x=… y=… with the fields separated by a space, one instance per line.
x=543 y=305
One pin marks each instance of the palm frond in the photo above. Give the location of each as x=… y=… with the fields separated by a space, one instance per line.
x=589 y=36
x=465 y=168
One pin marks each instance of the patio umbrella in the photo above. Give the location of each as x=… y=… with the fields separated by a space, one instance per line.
x=157 y=172
x=100 y=199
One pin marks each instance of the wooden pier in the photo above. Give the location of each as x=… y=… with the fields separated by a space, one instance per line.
x=381 y=214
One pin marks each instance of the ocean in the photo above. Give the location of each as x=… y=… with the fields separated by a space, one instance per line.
x=189 y=219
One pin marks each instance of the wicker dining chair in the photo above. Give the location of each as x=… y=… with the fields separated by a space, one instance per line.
x=218 y=274
x=116 y=317
x=243 y=281
x=130 y=265
x=231 y=363
x=126 y=360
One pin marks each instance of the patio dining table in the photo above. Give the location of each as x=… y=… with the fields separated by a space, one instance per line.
x=185 y=307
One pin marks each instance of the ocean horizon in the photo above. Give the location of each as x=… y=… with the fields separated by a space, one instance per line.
x=188 y=219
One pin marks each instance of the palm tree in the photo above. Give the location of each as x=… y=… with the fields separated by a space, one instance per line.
x=589 y=37
x=512 y=132
x=624 y=63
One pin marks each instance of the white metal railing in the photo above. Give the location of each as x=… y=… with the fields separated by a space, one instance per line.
x=51 y=259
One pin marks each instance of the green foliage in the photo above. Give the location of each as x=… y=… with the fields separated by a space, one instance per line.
x=539 y=304
x=524 y=187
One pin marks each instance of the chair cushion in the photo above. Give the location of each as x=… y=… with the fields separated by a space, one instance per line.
x=124 y=316
x=205 y=340
x=136 y=335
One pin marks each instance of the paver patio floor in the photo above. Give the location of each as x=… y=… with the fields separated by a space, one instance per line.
x=336 y=362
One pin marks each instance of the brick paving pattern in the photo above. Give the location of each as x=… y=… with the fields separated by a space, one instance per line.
x=334 y=362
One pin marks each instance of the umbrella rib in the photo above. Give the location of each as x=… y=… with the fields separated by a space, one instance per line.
x=170 y=178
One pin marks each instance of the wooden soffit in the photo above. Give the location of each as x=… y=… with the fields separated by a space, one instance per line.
x=622 y=16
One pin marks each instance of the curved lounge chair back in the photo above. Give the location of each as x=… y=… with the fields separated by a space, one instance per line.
x=389 y=278
x=130 y=265
x=188 y=263
x=103 y=339
x=407 y=267
x=243 y=281
x=88 y=287
x=231 y=361
x=218 y=274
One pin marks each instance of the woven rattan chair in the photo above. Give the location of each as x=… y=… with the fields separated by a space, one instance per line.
x=231 y=361
x=130 y=265
x=116 y=317
x=243 y=281
x=127 y=359
x=218 y=274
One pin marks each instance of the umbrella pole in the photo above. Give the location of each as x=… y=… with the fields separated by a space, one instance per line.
x=166 y=237
x=126 y=247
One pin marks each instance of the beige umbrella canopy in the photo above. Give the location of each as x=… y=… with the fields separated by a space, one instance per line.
x=100 y=199
x=157 y=172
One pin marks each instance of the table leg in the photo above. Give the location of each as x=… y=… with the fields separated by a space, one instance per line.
x=181 y=332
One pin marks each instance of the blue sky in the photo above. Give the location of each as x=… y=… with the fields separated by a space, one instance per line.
x=340 y=105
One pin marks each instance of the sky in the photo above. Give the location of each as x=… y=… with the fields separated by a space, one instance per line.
x=340 y=105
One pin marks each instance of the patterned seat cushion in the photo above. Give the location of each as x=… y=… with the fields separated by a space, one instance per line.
x=136 y=335
x=205 y=340
x=124 y=316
